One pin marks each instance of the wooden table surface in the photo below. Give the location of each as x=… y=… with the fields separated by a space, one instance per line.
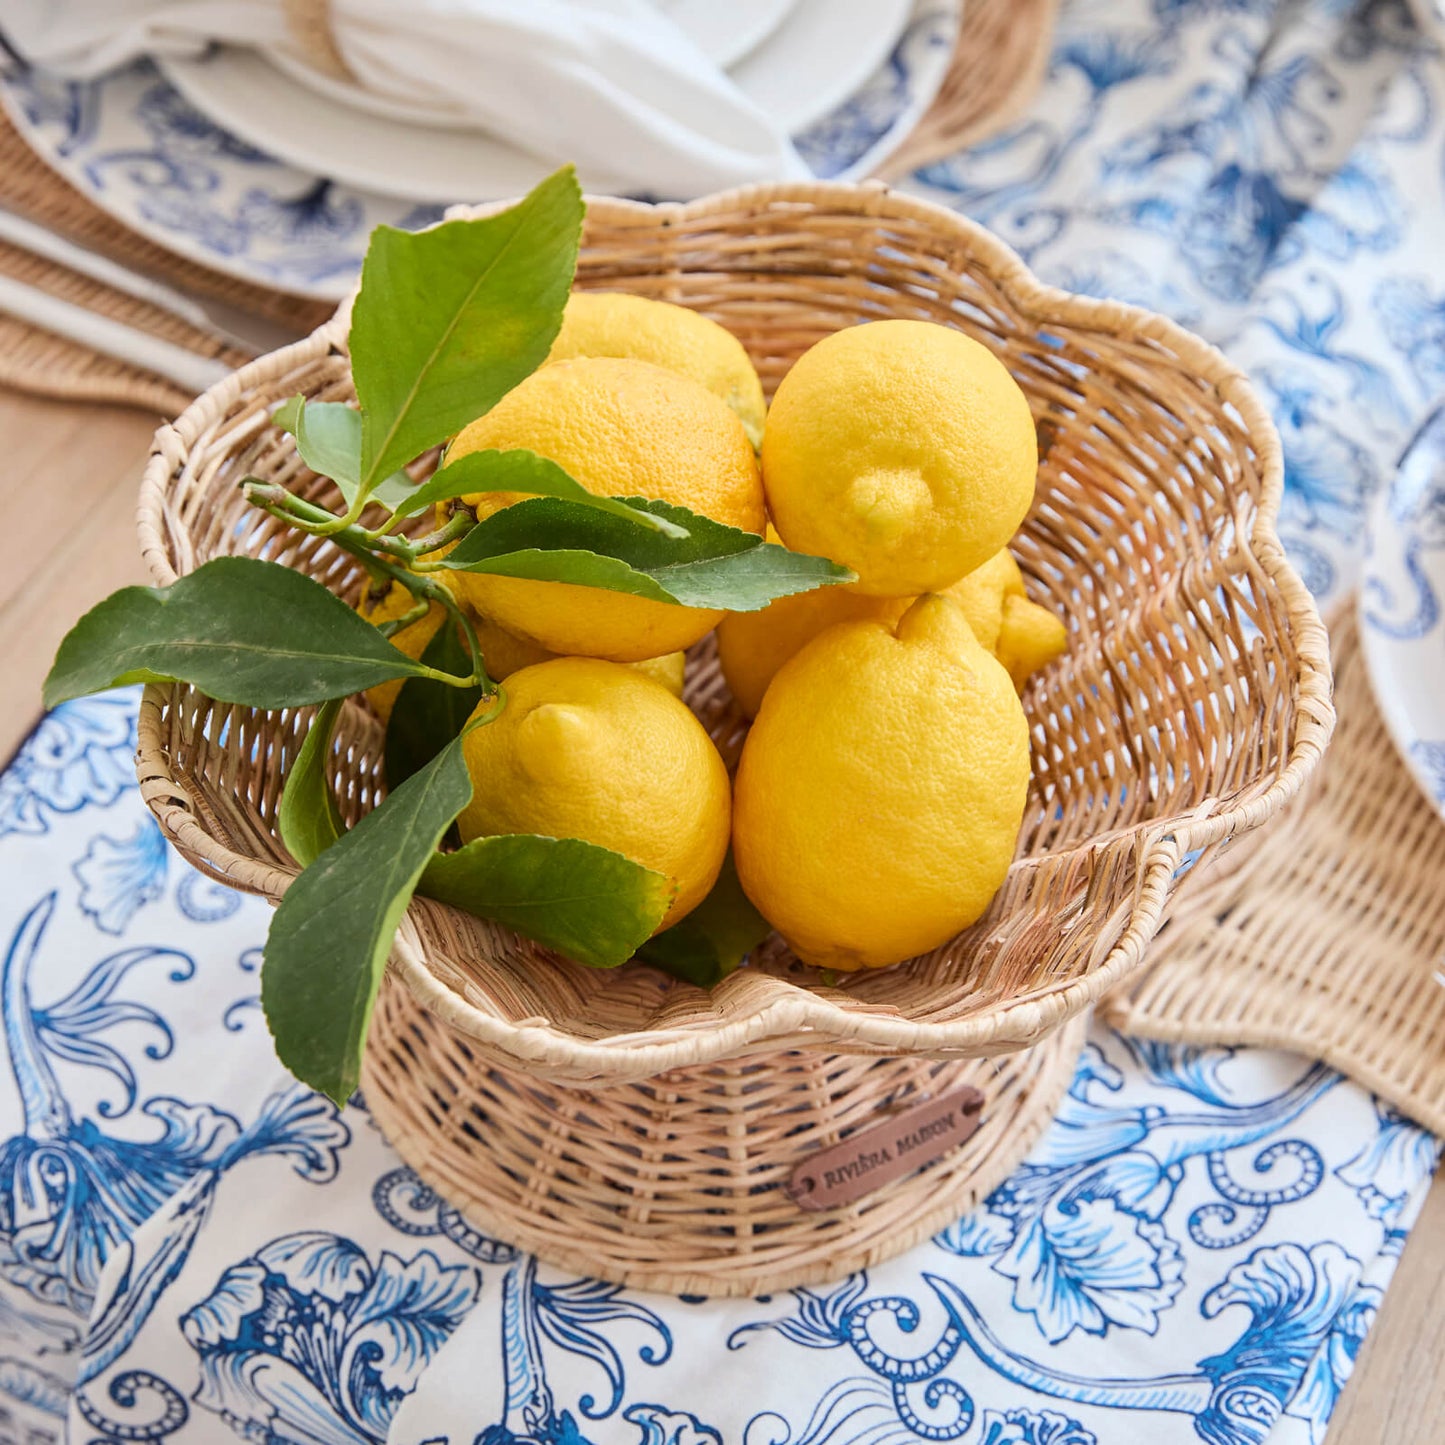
x=68 y=486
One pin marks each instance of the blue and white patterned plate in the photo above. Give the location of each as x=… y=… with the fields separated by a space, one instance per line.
x=135 y=146
x=1402 y=607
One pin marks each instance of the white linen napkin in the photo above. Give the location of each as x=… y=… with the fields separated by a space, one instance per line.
x=613 y=85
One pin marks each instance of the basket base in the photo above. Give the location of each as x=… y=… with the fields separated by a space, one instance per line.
x=676 y=1183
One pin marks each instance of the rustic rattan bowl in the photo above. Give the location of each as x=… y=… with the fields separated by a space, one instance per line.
x=638 y=1127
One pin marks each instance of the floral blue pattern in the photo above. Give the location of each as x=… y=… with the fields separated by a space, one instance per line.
x=1253 y=169
x=120 y=875
x=78 y=757
x=1079 y=1232
x=308 y=1333
x=1295 y=1300
x=1231 y=1214
x=412 y=1207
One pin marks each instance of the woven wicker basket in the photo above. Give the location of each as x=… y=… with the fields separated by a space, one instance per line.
x=639 y=1128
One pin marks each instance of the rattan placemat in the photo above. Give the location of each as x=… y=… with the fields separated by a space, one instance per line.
x=997 y=63
x=999 y=59
x=36 y=361
x=1324 y=932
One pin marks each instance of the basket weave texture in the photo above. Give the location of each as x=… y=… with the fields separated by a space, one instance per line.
x=1322 y=934
x=678 y=1182
x=640 y=1128
x=1194 y=698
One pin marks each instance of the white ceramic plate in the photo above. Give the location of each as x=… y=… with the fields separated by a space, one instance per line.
x=1402 y=608
x=726 y=30
x=134 y=144
x=823 y=53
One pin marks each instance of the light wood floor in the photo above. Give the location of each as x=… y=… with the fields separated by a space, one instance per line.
x=68 y=476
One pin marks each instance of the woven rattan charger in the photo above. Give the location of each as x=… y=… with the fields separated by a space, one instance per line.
x=639 y=1128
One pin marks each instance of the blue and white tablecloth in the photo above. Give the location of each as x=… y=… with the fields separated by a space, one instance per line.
x=194 y=1249
x=199 y=1246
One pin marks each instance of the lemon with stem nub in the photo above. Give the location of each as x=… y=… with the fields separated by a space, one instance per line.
x=590 y=749
x=902 y=449
x=612 y=323
x=752 y=646
x=880 y=792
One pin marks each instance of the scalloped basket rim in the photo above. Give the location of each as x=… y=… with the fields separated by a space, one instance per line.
x=782 y=1014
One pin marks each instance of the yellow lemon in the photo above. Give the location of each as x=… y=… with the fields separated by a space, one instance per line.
x=623 y=429
x=1029 y=638
x=981 y=593
x=1021 y=634
x=610 y=323
x=903 y=450
x=505 y=654
x=589 y=749
x=670 y=671
x=752 y=646
x=880 y=792
x=379 y=605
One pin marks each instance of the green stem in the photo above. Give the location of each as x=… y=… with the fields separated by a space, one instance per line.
x=335 y=524
x=455 y=529
x=499 y=702
x=415 y=614
x=317 y=521
x=379 y=577
x=437 y=675
x=469 y=636
x=286 y=507
x=429 y=591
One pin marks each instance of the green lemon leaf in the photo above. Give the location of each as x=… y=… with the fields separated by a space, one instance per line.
x=714 y=939
x=428 y=714
x=589 y=903
x=585 y=569
x=308 y=818
x=450 y=319
x=328 y=440
x=552 y=539
x=329 y=938
x=240 y=629
x=518 y=470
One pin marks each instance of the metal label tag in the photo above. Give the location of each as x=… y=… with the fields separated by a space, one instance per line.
x=876 y=1156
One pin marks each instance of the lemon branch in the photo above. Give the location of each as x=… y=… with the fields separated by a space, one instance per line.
x=389 y=559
